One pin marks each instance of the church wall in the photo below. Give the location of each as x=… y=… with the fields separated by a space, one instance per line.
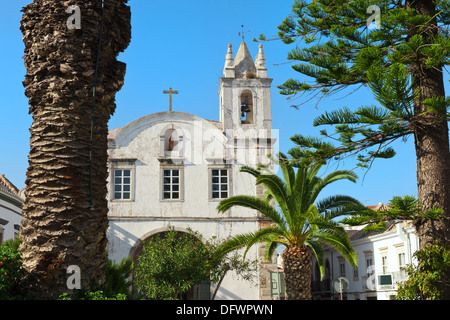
x=132 y=221
x=147 y=180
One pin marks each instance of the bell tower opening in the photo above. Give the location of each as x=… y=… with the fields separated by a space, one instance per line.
x=246 y=107
x=244 y=92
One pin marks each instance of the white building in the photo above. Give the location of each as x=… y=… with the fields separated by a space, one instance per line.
x=172 y=169
x=381 y=255
x=10 y=210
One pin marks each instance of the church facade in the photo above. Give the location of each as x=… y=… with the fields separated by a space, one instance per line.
x=171 y=169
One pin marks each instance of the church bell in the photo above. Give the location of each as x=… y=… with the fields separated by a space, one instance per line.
x=244 y=107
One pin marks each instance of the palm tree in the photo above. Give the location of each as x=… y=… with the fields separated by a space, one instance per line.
x=300 y=224
x=64 y=223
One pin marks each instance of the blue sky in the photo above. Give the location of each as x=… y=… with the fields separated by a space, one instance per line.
x=182 y=44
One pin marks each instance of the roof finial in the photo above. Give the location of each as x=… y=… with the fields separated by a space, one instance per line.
x=260 y=63
x=242 y=33
x=228 y=69
x=260 y=60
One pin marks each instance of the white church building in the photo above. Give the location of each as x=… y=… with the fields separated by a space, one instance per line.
x=173 y=168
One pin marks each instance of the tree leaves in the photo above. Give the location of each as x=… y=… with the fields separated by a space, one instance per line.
x=399 y=208
x=299 y=221
x=338 y=52
x=170 y=264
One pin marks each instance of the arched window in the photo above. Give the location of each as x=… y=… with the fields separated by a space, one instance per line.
x=246 y=107
x=172 y=143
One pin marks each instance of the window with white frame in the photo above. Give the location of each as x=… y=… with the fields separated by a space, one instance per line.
x=219 y=183
x=384 y=260
x=401 y=257
x=122 y=179
x=384 y=264
x=369 y=265
x=172 y=183
x=122 y=184
x=401 y=260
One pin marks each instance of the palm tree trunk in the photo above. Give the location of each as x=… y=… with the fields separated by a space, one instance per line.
x=297 y=264
x=59 y=228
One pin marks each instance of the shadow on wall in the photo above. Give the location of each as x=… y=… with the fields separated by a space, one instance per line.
x=120 y=242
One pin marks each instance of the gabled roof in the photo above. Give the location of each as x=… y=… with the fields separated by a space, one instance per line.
x=360 y=234
x=7 y=186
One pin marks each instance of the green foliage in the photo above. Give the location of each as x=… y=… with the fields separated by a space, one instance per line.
x=427 y=280
x=399 y=208
x=11 y=269
x=117 y=275
x=171 y=263
x=117 y=286
x=336 y=51
x=301 y=219
x=94 y=295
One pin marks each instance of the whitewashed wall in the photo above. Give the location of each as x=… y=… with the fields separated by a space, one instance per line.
x=133 y=221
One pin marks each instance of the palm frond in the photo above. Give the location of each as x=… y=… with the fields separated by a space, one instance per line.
x=236 y=242
x=341 y=242
x=318 y=251
x=277 y=189
x=250 y=170
x=330 y=178
x=288 y=175
x=267 y=234
x=270 y=248
x=338 y=205
x=299 y=220
x=253 y=203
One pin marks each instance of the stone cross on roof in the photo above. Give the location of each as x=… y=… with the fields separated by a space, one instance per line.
x=170 y=92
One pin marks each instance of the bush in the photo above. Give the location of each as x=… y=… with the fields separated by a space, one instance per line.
x=427 y=280
x=11 y=269
x=94 y=295
x=117 y=275
x=170 y=264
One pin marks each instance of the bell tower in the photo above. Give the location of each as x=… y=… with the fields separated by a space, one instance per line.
x=245 y=112
x=245 y=91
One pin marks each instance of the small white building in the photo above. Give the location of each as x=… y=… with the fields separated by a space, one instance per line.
x=10 y=210
x=381 y=256
x=172 y=169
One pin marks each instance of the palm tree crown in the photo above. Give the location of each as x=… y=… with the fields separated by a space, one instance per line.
x=300 y=220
